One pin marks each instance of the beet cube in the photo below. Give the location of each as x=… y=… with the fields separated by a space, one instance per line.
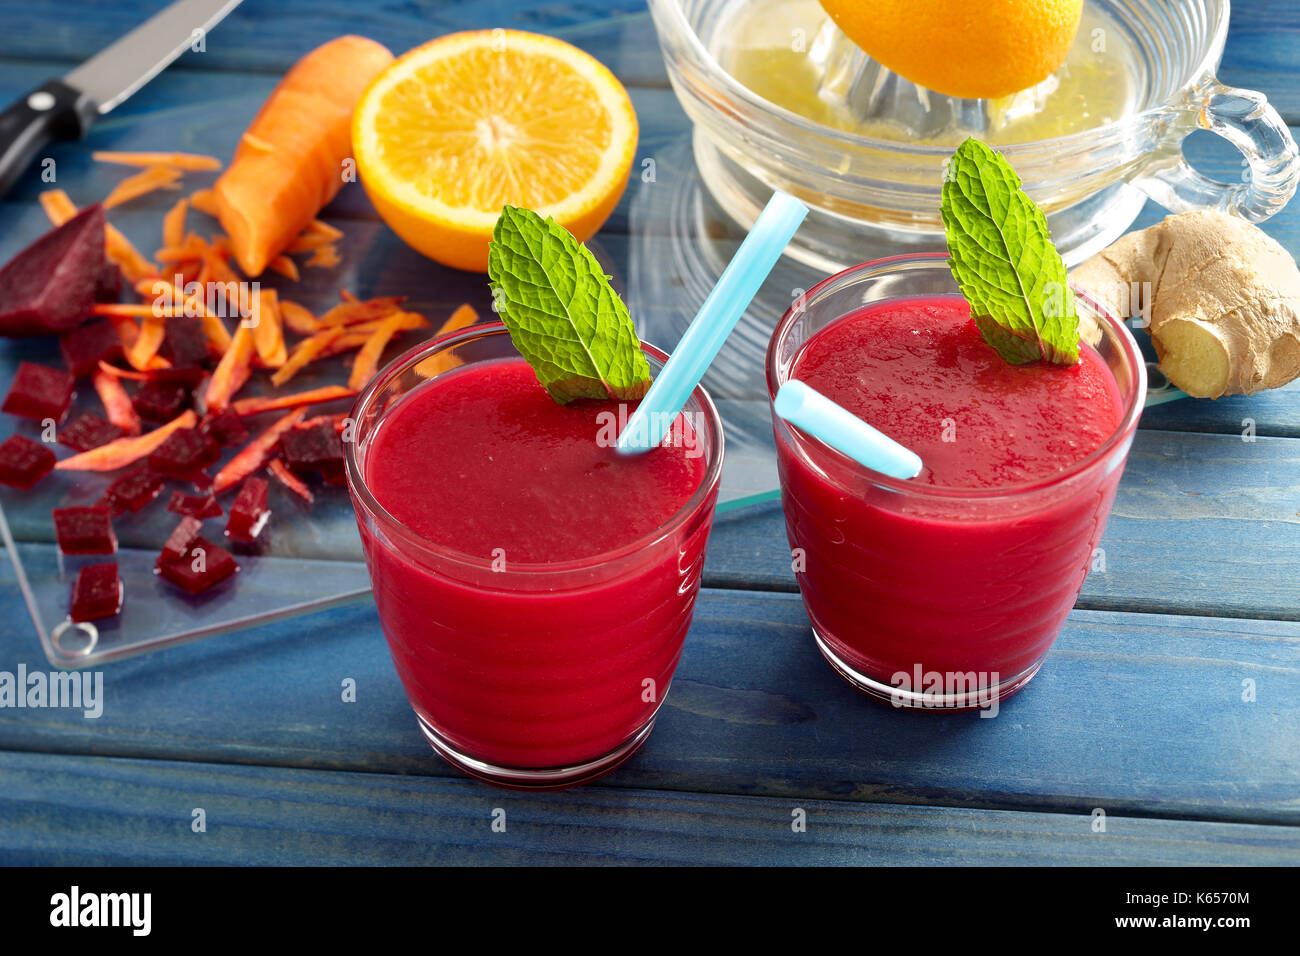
x=85 y=530
x=40 y=392
x=160 y=401
x=185 y=452
x=84 y=348
x=89 y=431
x=50 y=286
x=132 y=491
x=178 y=543
x=314 y=448
x=202 y=566
x=197 y=506
x=184 y=344
x=225 y=427
x=24 y=462
x=97 y=593
x=249 y=513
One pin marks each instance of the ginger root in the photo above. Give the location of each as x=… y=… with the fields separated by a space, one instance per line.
x=1223 y=300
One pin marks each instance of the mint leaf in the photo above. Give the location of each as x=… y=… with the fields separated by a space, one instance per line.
x=1002 y=257
x=562 y=314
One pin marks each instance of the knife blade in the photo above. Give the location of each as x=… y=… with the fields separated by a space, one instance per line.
x=65 y=108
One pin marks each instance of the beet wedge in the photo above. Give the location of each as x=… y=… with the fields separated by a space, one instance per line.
x=50 y=286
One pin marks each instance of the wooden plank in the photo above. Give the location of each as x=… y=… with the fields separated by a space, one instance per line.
x=1135 y=713
x=88 y=811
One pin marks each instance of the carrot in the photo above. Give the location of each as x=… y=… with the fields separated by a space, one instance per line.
x=186 y=161
x=270 y=403
x=116 y=402
x=289 y=163
x=291 y=481
x=168 y=374
x=298 y=319
x=143 y=183
x=464 y=316
x=130 y=309
x=318 y=227
x=205 y=201
x=193 y=247
x=303 y=353
x=285 y=266
x=253 y=455
x=232 y=371
x=367 y=360
x=57 y=206
x=123 y=451
x=268 y=335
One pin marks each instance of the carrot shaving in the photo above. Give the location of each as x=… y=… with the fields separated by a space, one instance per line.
x=129 y=309
x=205 y=201
x=318 y=227
x=133 y=265
x=367 y=360
x=124 y=451
x=57 y=206
x=291 y=481
x=232 y=371
x=270 y=403
x=310 y=242
x=253 y=455
x=187 y=161
x=305 y=351
x=464 y=316
x=116 y=402
x=173 y=228
x=216 y=262
x=268 y=334
x=298 y=319
x=285 y=266
x=143 y=183
x=326 y=257
x=145 y=348
x=351 y=311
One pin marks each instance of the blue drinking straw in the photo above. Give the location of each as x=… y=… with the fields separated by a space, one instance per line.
x=842 y=430
x=721 y=311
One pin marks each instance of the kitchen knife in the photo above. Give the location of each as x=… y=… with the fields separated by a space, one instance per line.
x=65 y=108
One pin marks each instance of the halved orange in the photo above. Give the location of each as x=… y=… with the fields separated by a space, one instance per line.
x=471 y=122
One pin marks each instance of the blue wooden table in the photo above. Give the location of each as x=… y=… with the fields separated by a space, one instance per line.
x=1141 y=711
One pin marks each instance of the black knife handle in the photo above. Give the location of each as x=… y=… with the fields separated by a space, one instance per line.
x=52 y=111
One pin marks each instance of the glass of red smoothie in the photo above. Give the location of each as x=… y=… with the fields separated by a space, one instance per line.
x=946 y=590
x=534 y=586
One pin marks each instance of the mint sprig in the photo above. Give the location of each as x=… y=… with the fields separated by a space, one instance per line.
x=1003 y=259
x=562 y=314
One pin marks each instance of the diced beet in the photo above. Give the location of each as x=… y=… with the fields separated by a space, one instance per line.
x=314 y=448
x=178 y=543
x=184 y=344
x=97 y=593
x=160 y=401
x=24 y=462
x=84 y=348
x=85 y=530
x=186 y=451
x=198 y=506
x=50 y=286
x=40 y=392
x=202 y=566
x=89 y=431
x=110 y=282
x=133 y=490
x=225 y=427
x=249 y=512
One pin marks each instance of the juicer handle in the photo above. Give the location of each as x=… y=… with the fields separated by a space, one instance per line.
x=1246 y=120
